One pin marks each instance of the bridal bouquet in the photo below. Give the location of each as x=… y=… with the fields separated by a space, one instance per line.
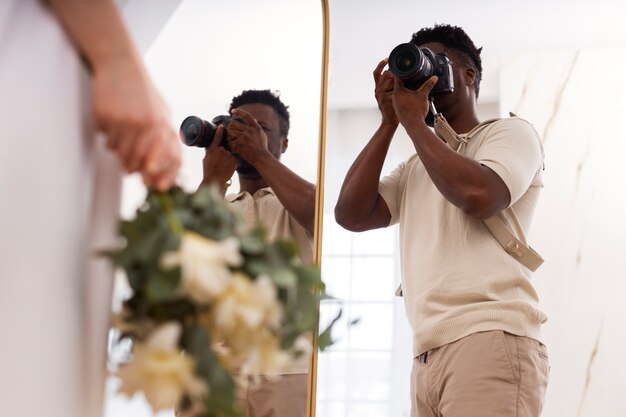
x=210 y=301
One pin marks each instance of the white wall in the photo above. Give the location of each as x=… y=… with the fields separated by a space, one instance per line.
x=579 y=224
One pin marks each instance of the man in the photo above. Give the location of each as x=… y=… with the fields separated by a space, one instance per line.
x=283 y=202
x=477 y=343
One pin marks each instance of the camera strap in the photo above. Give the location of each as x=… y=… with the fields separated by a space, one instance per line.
x=504 y=226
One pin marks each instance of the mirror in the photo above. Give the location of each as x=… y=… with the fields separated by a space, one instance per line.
x=209 y=52
x=546 y=76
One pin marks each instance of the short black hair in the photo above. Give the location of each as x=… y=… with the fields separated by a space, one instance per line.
x=455 y=38
x=268 y=97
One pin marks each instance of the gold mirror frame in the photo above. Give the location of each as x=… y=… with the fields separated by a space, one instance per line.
x=319 y=197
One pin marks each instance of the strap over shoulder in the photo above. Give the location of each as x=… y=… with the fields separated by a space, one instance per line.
x=514 y=243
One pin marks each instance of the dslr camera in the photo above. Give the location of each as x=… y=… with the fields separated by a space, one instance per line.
x=195 y=131
x=414 y=65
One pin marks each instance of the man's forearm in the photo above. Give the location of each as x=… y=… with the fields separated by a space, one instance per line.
x=358 y=197
x=295 y=193
x=467 y=184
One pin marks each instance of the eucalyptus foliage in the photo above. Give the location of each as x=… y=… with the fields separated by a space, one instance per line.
x=156 y=298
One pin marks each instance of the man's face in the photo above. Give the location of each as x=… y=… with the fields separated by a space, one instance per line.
x=268 y=119
x=446 y=102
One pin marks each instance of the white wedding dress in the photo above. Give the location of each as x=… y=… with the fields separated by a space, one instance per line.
x=59 y=200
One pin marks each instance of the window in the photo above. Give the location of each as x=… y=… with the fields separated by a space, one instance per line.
x=366 y=372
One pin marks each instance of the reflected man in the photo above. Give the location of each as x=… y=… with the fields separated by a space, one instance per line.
x=276 y=197
x=477 y=342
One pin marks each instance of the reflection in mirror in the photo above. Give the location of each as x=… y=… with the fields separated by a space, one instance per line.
x=549 y=78
x=206 y=54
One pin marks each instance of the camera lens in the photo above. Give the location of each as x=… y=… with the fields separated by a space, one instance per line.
x=410 y=64
x=193 y=130
x=405 y=61
x=196 y=132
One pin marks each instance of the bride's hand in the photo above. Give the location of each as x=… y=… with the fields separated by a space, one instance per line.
x=129 y=110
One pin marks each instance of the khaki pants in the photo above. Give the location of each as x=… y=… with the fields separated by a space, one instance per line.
x=284 y=396
x=486 y=374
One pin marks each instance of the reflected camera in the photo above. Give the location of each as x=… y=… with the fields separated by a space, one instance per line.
x=414 y=65
x=195 y=131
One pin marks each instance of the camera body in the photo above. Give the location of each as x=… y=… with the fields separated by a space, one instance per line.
x=195 y=131
x=414 y=65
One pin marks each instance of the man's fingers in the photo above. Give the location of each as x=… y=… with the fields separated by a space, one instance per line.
x=397 y=84
x=424 y=88
x=379 y=69
x=387 y=81
x=428 y=85
x=242 y=114
x=217 y=137
x=233 y=143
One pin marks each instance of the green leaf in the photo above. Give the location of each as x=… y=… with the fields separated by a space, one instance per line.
x=325 y=338
x=288 y=248
x=137 y=276
x=254 y=267
x=221 y=399
x=324 y=296
x=284 y=277
x=162 y=285
x=307 y=317
x=310 y=275
x=252 y=244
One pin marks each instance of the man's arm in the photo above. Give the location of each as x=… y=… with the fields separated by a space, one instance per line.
x=126 y=105
x=359 y=206
x=469 y=185
x=218 y=165
x=295 y=193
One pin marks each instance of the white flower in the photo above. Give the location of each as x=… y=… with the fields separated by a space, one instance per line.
x=246 y=318
x=204 y=265
x=265 y=357
x=160 y=370
x=302 y=345
x=248 y=304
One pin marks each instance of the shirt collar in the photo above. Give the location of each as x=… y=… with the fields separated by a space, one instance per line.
x=239 y=196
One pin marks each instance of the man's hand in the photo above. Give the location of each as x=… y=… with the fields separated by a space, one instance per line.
x=411 y=106
x=218 y=165
x=248 y=139
x=383 y=92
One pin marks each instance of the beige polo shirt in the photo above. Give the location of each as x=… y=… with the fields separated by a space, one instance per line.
x=264 y=207
x=456 y=278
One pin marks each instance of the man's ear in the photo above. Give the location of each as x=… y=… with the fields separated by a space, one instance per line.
x=470 y=76
x=284 y=144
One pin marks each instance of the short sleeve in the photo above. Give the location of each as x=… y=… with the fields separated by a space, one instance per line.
x=513 y=150
x=389 y=190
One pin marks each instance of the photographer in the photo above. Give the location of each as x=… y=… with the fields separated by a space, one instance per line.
x=477 y=341
x=272 y=194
